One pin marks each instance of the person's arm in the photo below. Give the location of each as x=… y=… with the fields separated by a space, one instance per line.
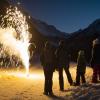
x=92 y=59
x=42 y=57
x=78 y=60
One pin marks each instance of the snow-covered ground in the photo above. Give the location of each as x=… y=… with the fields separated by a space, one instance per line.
x=15 y=85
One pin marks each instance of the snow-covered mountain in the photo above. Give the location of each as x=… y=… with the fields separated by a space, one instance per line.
x=82 y=39
x=48 y=30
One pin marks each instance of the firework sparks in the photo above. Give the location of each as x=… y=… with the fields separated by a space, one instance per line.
x=14 y=36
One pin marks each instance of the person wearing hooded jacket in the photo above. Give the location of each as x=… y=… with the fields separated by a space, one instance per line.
x=46 y=58
x=63 y=59
x=81 y=68
x=95 y=60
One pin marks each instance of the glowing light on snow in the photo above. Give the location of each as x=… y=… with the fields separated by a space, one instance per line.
x=14 y=35
x=22 y=75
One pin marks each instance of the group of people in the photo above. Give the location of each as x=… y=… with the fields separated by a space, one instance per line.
x=59 y=60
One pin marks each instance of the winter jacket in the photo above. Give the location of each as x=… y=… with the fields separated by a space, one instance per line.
x=47 y=59
x=62 y=57
x=95 y=60
x=81 y=64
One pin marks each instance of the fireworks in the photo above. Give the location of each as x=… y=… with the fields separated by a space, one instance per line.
x=14 y=37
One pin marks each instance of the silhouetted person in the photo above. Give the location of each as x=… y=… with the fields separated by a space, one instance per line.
x=81 y=68
x=95 y=61
x=48 y=67
x=63 y=59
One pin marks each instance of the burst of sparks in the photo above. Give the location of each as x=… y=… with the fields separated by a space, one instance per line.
x=14 y=38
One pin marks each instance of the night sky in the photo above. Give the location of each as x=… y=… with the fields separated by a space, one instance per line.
x=66 y=15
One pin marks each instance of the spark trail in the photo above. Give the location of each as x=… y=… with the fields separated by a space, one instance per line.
x=14 y=36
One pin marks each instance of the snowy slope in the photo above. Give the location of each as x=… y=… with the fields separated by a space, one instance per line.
x=84 y=92
x=48 y=30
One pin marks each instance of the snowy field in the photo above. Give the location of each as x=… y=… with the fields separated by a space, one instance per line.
x=15 y=85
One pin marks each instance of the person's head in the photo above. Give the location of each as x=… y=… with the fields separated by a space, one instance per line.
x=81 y=52
x=32 y=46
x=96 y=41
x=61 y=43
x=47 y=44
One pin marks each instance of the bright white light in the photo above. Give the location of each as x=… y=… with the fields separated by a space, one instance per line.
x=15 y=37
x=22 y=75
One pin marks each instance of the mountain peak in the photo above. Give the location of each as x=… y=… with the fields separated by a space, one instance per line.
x=96 y=21
x=96 y=25
x=48 y=30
